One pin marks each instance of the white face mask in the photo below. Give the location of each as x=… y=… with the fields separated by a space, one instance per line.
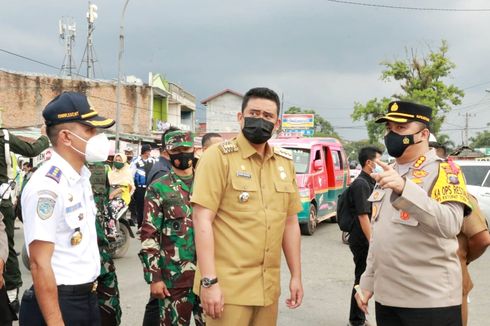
x=97 y=149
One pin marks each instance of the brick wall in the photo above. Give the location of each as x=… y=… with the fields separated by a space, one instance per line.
x=23 y=97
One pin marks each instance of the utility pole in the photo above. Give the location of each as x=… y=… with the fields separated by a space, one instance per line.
x=89 y=52
x=67 y=31
x=119 y=76
x=466 y=127
x=282 y=104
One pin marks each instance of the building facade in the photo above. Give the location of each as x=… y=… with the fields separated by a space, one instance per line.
x=221 y=111
x=24 y=96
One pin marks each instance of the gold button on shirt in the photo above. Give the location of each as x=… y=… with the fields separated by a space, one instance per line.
x=252 y=197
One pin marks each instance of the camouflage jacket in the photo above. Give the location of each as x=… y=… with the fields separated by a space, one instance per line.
x=168 y=252
x=100 y=188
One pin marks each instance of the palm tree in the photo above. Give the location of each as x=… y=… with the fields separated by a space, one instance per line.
x=444 y=140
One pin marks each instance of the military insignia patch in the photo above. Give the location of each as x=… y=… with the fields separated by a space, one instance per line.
x=54 y=173
x=45 y=207
x=450 y=186
x=228 y=146
x=49 y=193
x=283 y=152
x=420 y=173
x=394 y=107
x=406 y=141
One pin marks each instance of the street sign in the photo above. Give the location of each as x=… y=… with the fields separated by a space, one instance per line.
x=303 y=124
x=298 y=121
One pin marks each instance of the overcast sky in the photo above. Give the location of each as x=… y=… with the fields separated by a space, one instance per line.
x=319 y=54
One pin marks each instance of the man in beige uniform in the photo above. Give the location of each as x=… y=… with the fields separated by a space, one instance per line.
x=418 y=209
x=245 y=204
x=473 y=239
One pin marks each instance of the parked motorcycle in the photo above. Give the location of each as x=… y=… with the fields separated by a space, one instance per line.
x=120 y=246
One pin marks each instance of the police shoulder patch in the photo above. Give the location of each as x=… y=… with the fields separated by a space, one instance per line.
x=228 y=146
x=55 y=174
x=45 y=207
x=283 y=152
x=450 y=185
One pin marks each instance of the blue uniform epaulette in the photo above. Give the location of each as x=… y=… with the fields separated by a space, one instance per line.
x=283 y=152
x=54 y=173
x=228 y=146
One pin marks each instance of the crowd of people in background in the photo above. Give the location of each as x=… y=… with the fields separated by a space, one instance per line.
x=213 y=223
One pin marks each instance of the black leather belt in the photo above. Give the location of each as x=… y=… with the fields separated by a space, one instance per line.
x=79 y=289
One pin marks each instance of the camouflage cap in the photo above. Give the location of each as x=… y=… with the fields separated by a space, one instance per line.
x=179 y=138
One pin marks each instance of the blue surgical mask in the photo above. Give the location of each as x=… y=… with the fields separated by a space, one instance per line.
x=378 y=169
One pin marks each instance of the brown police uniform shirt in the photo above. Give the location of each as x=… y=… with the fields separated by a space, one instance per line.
x=472 y=225
x=412 y=259
x=252 y=197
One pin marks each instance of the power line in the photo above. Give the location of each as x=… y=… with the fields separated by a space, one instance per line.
x=29 y=59
x=37 y=61
x=377 y=5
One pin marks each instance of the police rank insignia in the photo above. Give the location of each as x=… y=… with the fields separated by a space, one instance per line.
x=228 y=146
x=54 y=173
x=45 y=207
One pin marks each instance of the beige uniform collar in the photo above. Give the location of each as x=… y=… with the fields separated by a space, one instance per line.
x=429 y=157
x=248 y=150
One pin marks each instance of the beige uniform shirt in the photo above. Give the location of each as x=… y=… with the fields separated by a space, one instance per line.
x=412 y=259
x=252 y=197
x=472 y=225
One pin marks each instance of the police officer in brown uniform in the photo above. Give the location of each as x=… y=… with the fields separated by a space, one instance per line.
x=418 y=208
x=245 y=203
x=473 y=239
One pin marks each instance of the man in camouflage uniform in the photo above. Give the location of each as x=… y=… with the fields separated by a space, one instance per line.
x=168 y=252
x=107 y=288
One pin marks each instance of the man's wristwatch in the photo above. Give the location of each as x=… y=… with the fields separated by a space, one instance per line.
x=207 y=282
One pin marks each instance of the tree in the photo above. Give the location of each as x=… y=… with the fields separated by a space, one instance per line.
x=445 y=141
x=323 y=128
x=482 y=139
x=422 y=80
x=352 y=148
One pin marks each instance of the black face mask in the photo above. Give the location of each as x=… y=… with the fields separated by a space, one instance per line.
x=257 y=130
x=397 y=144
x=182 y=161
